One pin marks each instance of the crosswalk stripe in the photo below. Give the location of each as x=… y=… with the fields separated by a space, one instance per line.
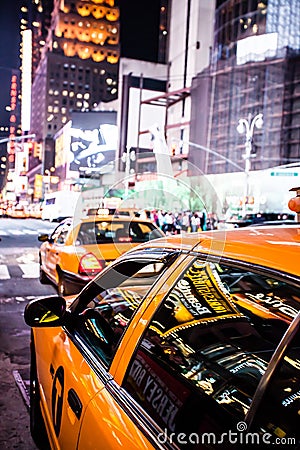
x=19 y=233
x=4 y=274
x=30 y=232
x=30 y=270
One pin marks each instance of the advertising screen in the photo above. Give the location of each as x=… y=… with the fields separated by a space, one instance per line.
x=93 y=150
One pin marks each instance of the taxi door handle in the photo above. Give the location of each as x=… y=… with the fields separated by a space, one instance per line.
x=75 y=403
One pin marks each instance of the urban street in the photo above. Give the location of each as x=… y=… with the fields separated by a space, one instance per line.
x=149 y=224
x=19 y=283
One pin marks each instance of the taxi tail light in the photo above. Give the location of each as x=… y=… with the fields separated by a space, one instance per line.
x=90 y=265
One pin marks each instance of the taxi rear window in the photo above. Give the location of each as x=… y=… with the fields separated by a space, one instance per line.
x=109 y=231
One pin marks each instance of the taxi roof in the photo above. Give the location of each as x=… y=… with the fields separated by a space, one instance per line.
x=274 y=247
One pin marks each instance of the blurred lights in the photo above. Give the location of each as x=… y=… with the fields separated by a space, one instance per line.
x=26 y=80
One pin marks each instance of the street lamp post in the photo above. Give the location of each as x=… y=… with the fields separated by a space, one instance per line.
x=247 y=126
x=126 y=158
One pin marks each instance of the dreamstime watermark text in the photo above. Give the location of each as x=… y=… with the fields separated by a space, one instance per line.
x=240 y=436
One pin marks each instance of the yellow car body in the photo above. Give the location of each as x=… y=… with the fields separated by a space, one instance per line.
x=76 y=251
x=183 y=342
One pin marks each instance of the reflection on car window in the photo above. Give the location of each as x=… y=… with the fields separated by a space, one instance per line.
x=107 y=231
x=60 y=233
x=104 y=318
x=278 y=413
x=208 y=345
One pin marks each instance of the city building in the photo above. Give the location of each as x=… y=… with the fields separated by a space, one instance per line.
x=254 y=69
x=78 y=66
x=221 y=78
x=232 y=98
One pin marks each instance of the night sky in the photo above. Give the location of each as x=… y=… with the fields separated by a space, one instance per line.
x=138 y=36
x=9 y=51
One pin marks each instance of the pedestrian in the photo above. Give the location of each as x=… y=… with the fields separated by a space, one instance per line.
x=195 y=222
x=185 y=222
x=203 y=224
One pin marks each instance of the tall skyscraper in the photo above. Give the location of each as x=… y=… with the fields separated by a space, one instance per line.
x=78 y=65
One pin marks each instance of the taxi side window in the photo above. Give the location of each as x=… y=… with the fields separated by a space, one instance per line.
x=61 y=238
x=278 y=413
x=104 y=319
x=60 y=233
x=207 y=347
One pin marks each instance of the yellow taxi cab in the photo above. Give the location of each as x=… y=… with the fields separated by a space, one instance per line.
x=19 y=212
x=79 y=249
x=185 y=342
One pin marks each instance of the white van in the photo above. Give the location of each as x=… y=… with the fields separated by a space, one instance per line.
x=59 y=205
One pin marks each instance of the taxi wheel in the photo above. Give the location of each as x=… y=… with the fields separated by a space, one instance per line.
x=37 y=425
x=43 y=277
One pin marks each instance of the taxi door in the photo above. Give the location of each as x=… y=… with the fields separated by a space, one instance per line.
x=67 y=385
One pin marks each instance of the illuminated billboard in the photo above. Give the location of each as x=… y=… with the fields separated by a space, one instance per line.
x=93 y=142
x=93 y=150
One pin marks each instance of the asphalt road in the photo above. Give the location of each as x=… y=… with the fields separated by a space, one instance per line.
x=18 y=284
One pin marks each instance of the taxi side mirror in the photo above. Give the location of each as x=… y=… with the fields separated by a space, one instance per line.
x=45 y=312
x=43 y=237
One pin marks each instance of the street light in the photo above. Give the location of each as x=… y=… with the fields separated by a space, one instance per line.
x=126 y=158
x=247 y=126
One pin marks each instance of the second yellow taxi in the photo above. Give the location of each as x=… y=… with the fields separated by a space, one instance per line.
x=77 y=250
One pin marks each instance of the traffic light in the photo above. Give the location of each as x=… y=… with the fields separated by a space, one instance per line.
x=30 y=146
x=38 y=149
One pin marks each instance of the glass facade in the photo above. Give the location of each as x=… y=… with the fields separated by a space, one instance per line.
x=254 y=68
